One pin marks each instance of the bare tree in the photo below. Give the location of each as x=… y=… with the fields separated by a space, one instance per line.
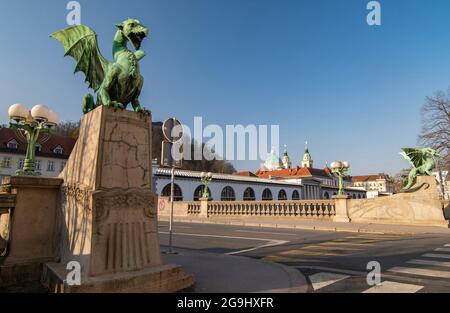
x=67 y=129
x=436 y=126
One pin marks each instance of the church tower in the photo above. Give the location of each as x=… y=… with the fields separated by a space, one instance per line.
x=287 y=164
x=307 y=159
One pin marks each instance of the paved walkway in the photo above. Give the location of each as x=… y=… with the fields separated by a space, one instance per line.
x=218 y=273
x=322 y=225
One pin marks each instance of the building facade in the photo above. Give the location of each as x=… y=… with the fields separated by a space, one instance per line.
x=52 y=153
x=375 y=185
x=277 y=180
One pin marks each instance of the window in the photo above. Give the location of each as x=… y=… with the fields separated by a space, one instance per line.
x=282 y=195
x=249 y=195
x=38 y=147
x=63 y=165
x=6 y=162
x=13 y=144
x=38 y=165
x=295 y=195
x=326 y=196
x=177 y=193
x=198 y=193
x=228 y=194
x=20 y=164
x=58 y=150
x=50 y=166
x=267 y=195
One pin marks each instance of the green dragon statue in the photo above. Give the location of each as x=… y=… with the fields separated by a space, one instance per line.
x=423 y=163
x=117 y=84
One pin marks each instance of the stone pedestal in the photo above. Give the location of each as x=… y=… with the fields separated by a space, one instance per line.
x=204 y=207
x=30 y=228
x=341 y=209
x=421 y=206
x=110 y=212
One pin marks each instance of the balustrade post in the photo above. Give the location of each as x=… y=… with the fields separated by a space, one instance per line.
x=341 y=209
x=204 y=207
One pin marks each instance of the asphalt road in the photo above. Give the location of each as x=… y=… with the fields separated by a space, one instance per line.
x=332 y=261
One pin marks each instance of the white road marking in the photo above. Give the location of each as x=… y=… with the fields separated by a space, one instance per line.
x=262 y=232
x=321 y=280
x=442 y=250
x=393 y=287
x=429 y=262
x=439 y=256
x=413 y=280
x=420 y=272
x=271 y=242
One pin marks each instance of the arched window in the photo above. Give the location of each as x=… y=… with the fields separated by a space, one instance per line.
x=177 y=193
x=334 y=194
x=249 y=195
x=326 y=196
x=228 y=194
x=282 y=195
x=354 y=196
x=267 y=195
x=198 y=194
x=359 y=196
x=295 y=195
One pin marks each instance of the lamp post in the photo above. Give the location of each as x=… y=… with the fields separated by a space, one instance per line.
x=340 y=170
x=39 y=120
x=206 y=180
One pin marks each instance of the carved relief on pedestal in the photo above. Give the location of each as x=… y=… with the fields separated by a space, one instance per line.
x=125 y=231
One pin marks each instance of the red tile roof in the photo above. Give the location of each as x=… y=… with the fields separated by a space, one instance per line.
x=245 y=174
x=365 y=178
x=296 y=172
x=47 y=142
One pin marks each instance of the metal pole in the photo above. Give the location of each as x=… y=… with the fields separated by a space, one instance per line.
x=172 y=189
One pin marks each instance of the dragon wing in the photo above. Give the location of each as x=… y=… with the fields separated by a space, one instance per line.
x=413 y=156
x=80 y=42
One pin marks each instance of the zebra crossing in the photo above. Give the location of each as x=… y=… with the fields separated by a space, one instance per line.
x=416 y=275
x=351 y=245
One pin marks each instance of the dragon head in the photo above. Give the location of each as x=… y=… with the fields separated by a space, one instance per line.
x=134 y=31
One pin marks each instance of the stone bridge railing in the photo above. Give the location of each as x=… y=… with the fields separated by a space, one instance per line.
x=305 y=209
x=315 y=209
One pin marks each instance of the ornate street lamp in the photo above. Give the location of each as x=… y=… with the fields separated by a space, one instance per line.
x=206 y=180
x=39 y=120
x=340 y=170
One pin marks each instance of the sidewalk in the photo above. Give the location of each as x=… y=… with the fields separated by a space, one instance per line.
x=313 y=225
x=218 y=273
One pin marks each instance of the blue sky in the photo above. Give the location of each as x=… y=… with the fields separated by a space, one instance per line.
x=314 y=67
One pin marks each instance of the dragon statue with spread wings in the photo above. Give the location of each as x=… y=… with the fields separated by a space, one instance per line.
x=423 y=162
x=117 y=83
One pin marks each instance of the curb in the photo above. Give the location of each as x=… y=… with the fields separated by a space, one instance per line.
x=301 y=227
x=297 y=281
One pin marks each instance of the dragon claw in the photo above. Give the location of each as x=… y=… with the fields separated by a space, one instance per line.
x=142 y=111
